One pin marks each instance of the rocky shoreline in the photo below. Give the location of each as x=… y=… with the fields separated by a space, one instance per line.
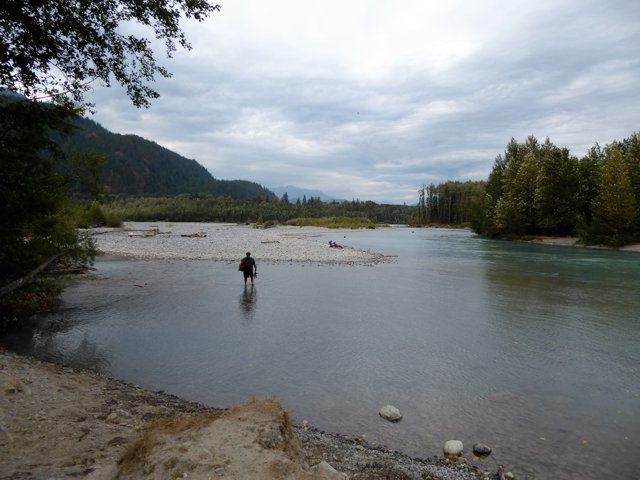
x=59 y=422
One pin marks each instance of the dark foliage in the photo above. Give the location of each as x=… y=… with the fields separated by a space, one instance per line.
x=54 y=48
x=31 y=194
x=449 y=203
x=206 y=208
x=540 y=189
x=52 y=51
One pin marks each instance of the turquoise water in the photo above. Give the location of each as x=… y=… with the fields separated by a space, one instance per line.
x=533 y=350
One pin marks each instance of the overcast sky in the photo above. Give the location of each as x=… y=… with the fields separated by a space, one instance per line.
x=372 y=99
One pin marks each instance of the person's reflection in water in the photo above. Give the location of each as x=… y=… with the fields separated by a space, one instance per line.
x=248 y=301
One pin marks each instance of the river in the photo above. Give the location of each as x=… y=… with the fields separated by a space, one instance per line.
x=533 y=350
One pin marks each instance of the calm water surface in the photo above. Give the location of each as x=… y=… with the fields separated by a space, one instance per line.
x=533 y=350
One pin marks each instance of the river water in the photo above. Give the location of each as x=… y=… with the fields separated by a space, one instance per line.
x=533 y=350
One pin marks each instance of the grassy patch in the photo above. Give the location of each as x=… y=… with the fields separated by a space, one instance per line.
x=333 y=222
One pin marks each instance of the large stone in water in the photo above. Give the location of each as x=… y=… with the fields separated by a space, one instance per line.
x=481 y=450
x=391 y=413
x=453 y=448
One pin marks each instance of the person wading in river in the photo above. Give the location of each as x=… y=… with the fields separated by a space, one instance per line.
x=249 y=268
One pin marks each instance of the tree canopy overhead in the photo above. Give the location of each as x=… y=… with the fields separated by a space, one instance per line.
x=56 y=49
x=51 y=51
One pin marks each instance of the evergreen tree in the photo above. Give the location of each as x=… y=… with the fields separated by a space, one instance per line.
x=615 y=208
x=589 y=174
x=514 y=212
x=631 y=158
x=485 y=222
x=557 y=191
x=421 y=212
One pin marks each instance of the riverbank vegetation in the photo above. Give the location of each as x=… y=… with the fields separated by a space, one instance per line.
x=207 y=208
x=450 y=203
x=541 y=189
x=38 y=220
x=333 y=222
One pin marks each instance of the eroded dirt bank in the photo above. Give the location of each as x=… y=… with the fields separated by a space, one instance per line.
x=58 y=422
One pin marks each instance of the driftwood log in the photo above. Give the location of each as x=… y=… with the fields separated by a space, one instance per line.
x=29 y=276
x=501 y=473
x=194 y=235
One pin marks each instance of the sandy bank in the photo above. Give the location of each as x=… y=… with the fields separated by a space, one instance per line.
x=229 y=242
x=573 y=242
x=58 y=422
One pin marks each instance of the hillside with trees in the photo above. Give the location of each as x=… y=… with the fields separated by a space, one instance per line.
x=135 y=166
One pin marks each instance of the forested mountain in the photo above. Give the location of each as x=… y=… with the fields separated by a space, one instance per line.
x=135 y=166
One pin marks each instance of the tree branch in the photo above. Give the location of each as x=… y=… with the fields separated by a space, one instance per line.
x=29 y=276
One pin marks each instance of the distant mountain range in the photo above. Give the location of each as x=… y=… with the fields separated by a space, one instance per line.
x=136 y=166
x=296 y=192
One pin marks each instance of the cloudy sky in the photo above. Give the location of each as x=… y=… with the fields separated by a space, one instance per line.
x=372 y=99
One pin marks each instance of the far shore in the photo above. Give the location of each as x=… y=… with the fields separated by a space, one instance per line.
x=573 y=242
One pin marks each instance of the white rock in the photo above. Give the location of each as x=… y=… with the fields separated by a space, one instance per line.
x=326 y=471
x=391 y=413
x=453 y=447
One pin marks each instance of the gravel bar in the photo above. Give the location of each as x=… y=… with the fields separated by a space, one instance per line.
x=229 y=242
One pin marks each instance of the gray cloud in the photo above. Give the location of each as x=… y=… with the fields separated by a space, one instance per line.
x=374 y=110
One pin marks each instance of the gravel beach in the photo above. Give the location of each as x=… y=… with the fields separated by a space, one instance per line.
x=229 y=242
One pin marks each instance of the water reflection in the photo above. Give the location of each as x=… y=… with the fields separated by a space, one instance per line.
x=56 y=341
x=248 y=302
x=87 y=354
